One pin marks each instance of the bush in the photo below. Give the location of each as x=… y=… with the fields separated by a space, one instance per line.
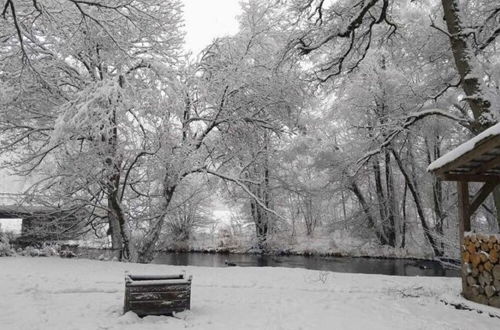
x=31 y=251
x=5 y=249
x=48 y=250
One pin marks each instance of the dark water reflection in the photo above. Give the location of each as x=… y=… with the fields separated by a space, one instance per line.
x=402 y=267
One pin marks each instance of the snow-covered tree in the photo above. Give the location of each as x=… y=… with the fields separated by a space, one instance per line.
x=69 y=104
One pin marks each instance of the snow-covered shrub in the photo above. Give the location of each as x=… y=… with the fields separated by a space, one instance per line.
x=31 y=251
x=5 y=249
x=49 y=250
x=67 y=254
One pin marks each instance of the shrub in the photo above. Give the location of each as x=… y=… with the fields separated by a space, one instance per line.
x=5 y=249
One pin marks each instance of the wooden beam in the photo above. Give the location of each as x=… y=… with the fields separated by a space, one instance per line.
x=479 y=149
x=463 y=217
x=468 y=177
x=463 y=208
x=487 y=166
x=481 y=195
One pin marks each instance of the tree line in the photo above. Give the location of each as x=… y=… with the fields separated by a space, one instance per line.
x=314 y=113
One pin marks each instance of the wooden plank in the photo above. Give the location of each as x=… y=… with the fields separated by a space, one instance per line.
x=156 y=305
x=485 y=166
x=126 y=306
x=158 y=282
x=479 y=149
x=160 y=288
x=155 y=277
x=468 y=177
x=481 y=195
x=159 y=295
x=165 y=311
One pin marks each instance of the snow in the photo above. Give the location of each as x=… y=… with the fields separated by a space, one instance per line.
x=54 y=293
x=157 y=282
x=464 y=148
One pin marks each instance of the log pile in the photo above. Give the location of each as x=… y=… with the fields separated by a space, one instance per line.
x=481 y=269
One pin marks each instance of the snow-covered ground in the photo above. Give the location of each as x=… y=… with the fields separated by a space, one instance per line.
x=54 y=293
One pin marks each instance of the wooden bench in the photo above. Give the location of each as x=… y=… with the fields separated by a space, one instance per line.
x=157 y=294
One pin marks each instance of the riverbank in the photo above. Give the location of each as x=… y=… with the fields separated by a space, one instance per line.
x=332 y=244
x=290 y=252
x=336 y=244
x=54 y=293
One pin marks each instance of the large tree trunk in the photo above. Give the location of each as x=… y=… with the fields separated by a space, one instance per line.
x=433 y=153
x=116 y=219
x=119 y=234
x=467 y=66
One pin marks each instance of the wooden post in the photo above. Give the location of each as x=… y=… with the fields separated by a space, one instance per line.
x=463 y=207
x=464 y=221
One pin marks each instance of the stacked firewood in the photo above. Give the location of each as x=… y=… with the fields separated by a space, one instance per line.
x=481 y=268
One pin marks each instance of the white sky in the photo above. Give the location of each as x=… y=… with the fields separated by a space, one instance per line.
x=206 y=20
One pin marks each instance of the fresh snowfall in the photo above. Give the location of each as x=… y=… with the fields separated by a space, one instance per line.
x=55 y=293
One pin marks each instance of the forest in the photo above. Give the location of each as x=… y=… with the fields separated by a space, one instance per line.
x=315 y=122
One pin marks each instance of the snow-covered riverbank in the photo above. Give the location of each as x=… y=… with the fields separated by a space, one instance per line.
x=54 y=293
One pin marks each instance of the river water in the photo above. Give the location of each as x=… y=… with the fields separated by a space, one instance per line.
x=401 y=267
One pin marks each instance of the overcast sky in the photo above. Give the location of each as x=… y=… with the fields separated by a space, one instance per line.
x=206 y=20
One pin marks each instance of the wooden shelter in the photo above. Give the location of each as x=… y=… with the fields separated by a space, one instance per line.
x=477 y=160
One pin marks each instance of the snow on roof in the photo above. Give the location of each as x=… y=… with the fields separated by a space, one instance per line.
x=463 y=148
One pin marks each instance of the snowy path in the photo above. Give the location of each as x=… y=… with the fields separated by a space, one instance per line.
x=53 y=293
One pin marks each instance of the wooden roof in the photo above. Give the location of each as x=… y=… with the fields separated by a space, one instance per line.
x=476 y=160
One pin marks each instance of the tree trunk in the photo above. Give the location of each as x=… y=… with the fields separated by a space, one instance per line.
x=467 y=66
x=116 y=219
x=119 y=231
x=433 y=153
x=403 y=225
x=114 y=230
x=344 y=213
x=418 y=203
x=146 y=251
x=307 y=211
x=366 y=209
x=390 y=201
x=381 y=201
x=260 y=216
